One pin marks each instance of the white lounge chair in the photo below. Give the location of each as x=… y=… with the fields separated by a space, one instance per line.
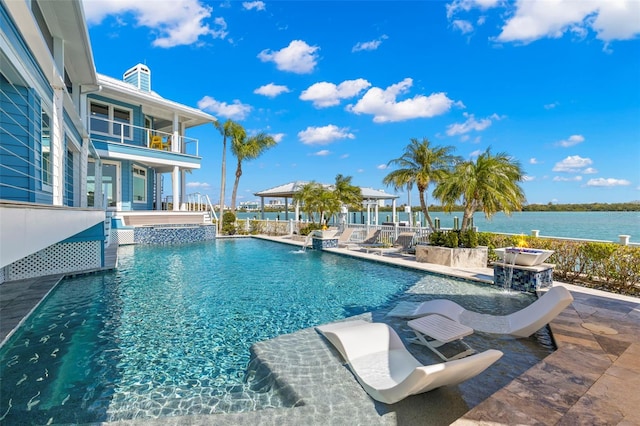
x=522 y=323
x=387 y=371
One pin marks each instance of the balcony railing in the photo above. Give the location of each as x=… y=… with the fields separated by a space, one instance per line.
x=130 y=134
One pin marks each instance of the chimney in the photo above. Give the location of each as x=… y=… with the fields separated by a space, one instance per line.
x=139 y=76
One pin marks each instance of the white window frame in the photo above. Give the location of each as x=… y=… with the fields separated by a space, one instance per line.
x=136 y=175
x=111 y=123
x=46 y=181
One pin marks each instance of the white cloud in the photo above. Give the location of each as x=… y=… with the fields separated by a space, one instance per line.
x=527 y=178
x=458 y=6
x=324 y=135
x=533 y=160
x=382 y=167
x=298 y=57
x=572 y=164
x=257 y=5
x=573 y=140
x=325 y=94
x=382 y=104
x=322 y=153
x=611 y=20
x=278 y=137
x=369 y=45
x=271 y=90
x=567 y=179
x=202 y=185
x=589 y=171
x=343 y=156
x=235 y=110
x=471 y=124
x=463 y=26
x=607 y=182
x=552 y=105
x=183 y=23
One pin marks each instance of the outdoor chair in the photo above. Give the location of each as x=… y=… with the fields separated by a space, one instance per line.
x=522 y=323
x=385 y=368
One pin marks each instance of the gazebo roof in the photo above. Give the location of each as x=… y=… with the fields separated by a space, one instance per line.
x=288 y=189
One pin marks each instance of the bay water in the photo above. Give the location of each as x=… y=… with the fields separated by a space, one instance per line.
x=603 y=226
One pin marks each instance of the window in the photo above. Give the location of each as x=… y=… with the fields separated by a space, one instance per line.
x=139 y=185
x=111 y=120
x=121 y=116
x=45 y=147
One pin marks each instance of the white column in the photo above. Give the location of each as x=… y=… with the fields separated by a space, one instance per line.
x=82 y=176
x=57 y=147
x=158 y=191
x=183 y=190
x=97 y=192
x=175 y=180
x=376 y=214
x=394 y=214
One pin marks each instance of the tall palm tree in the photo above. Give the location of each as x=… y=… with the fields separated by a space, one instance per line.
x=347 y=193
x=248 y=149
x=489 y=184
x=230 y=129
x=420 y=165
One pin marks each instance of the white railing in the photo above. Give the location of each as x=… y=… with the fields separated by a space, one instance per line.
x=125 y=133
x=197 y=202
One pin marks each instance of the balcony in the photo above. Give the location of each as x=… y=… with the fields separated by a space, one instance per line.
x=114 y=131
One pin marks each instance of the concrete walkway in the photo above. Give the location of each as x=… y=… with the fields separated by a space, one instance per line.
x=592 y=378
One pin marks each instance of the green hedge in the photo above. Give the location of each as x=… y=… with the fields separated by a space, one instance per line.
x=608 y=266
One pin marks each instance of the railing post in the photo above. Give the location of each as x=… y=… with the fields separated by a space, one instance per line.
x=535 y=233
x=624 y=239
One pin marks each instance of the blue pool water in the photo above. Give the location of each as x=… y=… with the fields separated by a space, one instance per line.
x=174 y=326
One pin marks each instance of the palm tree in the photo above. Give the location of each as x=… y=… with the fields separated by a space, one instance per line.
x=348 y=194
x=420 y=165
x=489 y=184
x=248 y=149
x=233 y=130
x=316 y=197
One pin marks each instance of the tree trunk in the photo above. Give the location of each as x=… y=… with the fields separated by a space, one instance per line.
x=235 y=186
x=466 y=217
x=222 y=180
x=425 y=209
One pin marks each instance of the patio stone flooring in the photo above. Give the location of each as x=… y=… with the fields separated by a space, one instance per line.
x=592 y=378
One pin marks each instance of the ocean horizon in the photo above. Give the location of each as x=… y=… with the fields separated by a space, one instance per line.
x=601 y=226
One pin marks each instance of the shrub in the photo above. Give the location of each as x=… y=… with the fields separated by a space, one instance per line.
x=310 y=228
x=229 y=223
x=436 y=238
x=469 y=238
x=451 y=239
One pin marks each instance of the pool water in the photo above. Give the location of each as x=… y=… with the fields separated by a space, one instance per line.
x=173 y=326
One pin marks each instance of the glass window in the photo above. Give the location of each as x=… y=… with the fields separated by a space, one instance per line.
x=110 y=184
x=91 y=183
x=45 y=146
x=122 y=121
x=99 y=118
x=139 y=185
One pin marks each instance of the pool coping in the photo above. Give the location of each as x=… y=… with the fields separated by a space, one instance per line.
x=586 y=380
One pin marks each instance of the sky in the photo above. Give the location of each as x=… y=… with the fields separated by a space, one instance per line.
x=344 y=86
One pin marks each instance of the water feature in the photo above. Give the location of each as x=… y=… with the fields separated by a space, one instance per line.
x=169 y=333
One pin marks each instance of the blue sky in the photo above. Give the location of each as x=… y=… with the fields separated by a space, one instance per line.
x=344 y=86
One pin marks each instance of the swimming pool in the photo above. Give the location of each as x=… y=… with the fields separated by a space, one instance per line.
x=171 y=330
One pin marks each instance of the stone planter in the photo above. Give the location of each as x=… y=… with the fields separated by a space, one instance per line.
x=453 y=257
x=330 y=233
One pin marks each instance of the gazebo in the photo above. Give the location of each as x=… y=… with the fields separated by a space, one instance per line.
x=370 y=198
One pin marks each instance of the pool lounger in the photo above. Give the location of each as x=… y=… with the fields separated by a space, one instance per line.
x=387 y=371
x=522 y=323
